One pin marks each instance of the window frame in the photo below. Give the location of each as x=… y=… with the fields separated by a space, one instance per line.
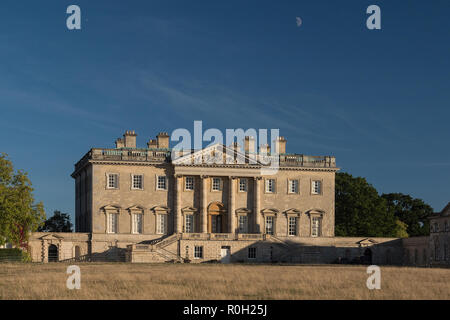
x=297 y=189
x=320 y=181
x=198 y=252
x=272 y=218
x=245 y=184
x=108 y=174
x=213 y=179
x=161 y=217
x=166 y=180
x=186 y=183
x=295 y=226
x=134 y=223
x=132 y=181
x=245 y=217
x=251 y=253
x=318 y=218
x=191 y=224
x=267 y=183
x=109 y=223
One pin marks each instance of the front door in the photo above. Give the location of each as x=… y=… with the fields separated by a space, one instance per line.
x=225 y=254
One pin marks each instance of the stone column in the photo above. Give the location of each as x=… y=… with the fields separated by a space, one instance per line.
x=256 y=206
x=204 y=205
x=178 y=217
x=231 y=205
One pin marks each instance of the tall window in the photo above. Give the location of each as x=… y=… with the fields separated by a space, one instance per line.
x=112 y=222
x=293 y=186
x=161 y=183
x=269 y=224
x=446 y=226
x=189 y=183
x=292 y=226
x=189 y=226
x=198 y=252
x=161 y=223
x=113 y=181
x=137 y=223
x=243 y=184
x=315 y=227
x=270 y=185
x=243 y=224
x=316 y=187
x=252 y=253
x=216 y=182
x=137 y=182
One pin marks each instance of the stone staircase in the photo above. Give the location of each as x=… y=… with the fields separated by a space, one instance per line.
x=155 y=251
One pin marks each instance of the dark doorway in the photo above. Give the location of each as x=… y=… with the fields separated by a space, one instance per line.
x=368 y=256
x=77 y=252
x=52 y=253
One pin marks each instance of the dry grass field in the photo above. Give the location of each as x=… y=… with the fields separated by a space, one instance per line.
x=189 y=281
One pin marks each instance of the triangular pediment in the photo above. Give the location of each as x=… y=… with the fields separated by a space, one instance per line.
x=215 y=154
x=160 y=209
x=366 y=242
x=111 y=207
x=51 y=236
x=293 y=211
x=136 y=208
x=188 y=209
x=269 y=211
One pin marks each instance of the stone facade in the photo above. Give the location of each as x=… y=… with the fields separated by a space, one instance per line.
x=142 y=205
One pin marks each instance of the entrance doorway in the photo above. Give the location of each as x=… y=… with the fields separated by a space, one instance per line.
x=52 y=253
x=368 y=256
x=217 y=218
x=225 y=254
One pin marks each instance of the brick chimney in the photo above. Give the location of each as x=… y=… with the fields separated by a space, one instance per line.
x=130 y=139
x=163 y=140
x=249 y=144
x=280 y=145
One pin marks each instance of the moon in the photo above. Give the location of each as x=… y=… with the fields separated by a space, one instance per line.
x=299 y=21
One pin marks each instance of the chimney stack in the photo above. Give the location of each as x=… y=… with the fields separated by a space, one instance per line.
x=264 y=149
x=249 y=144
x=162 y=140
x=130 y=139
x=152 y=144
x=119 y=143
x=280 y=145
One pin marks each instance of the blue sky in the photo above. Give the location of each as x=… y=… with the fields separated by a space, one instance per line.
x=377 y=100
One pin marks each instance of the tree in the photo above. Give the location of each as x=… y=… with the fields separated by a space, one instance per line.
x=19 y=215
x=59 y=222
x=360 y=210
x=413 y=212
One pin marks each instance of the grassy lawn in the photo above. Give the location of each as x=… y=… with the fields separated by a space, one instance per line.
x=189 y=281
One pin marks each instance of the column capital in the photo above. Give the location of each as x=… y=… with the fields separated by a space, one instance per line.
x=204 y=176
x=232 y=177
x=178 y=175
x=257 y=178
